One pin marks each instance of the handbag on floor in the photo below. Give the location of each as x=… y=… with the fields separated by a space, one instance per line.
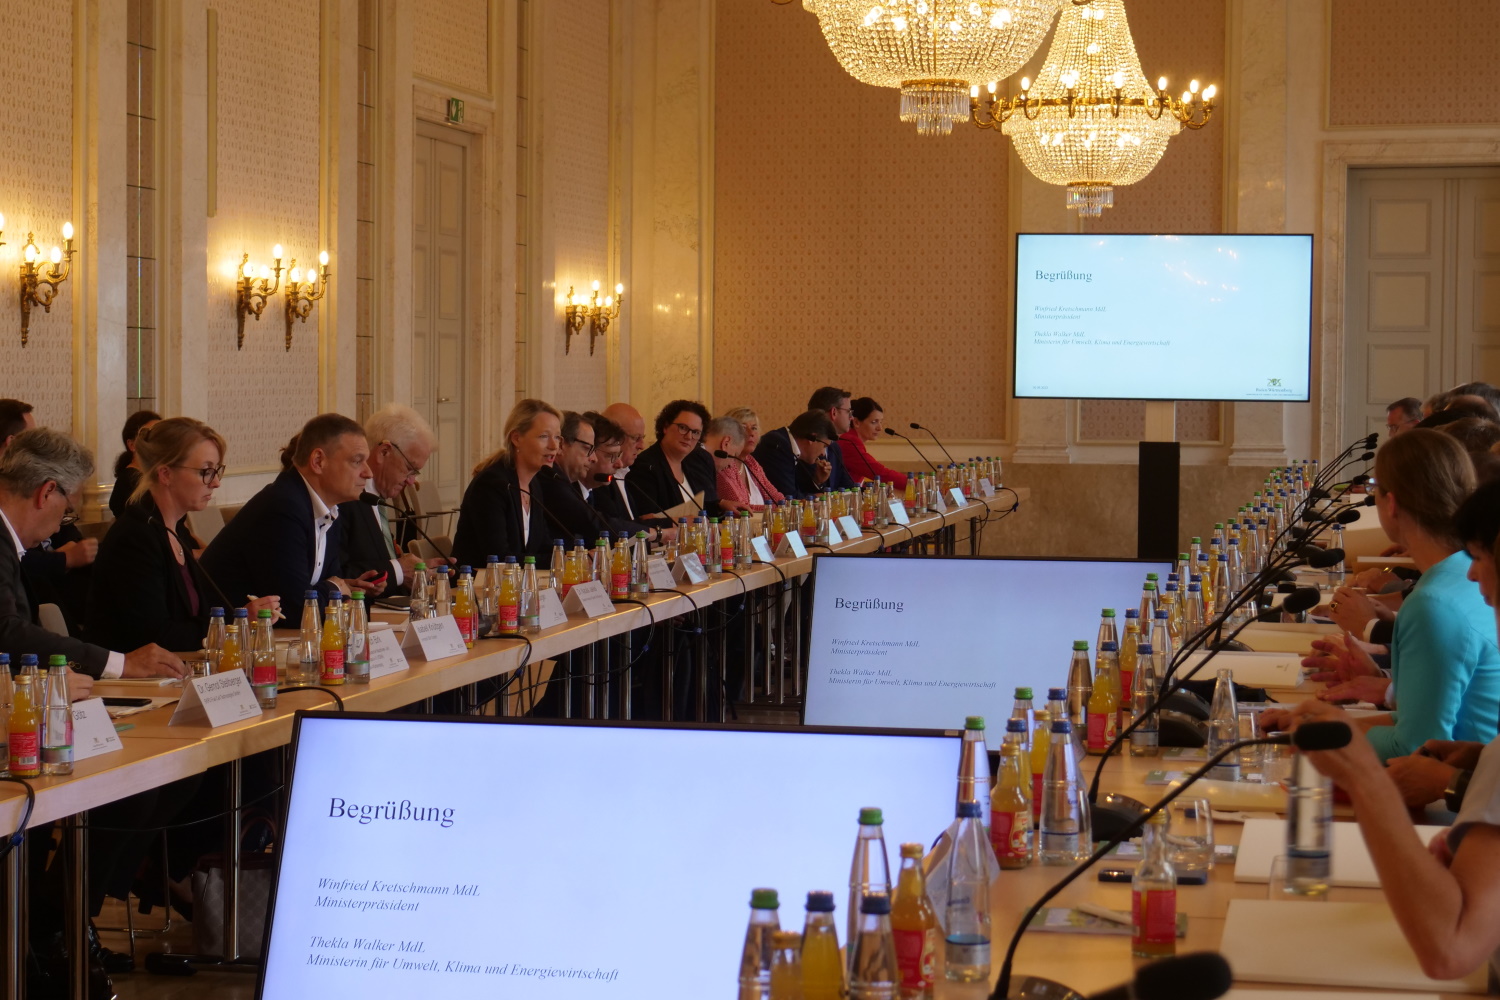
x=257 y=874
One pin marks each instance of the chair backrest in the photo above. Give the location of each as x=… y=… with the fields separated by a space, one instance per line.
x=206 y=523
x=51 y=617
x=228 y=512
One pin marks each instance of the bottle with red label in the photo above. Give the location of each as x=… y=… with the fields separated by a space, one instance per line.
x=465 y=607
x=25 y=723
x=334 y=645
x=1010 y=811
x=508 y=598
x=1104 y=700
x=914 y=925
x=619 y=569
x=1153 y=895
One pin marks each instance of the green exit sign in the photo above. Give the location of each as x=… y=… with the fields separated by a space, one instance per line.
x=455 y=110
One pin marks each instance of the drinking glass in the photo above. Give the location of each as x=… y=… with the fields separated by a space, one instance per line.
x=1289 y=885
x=1190 y=834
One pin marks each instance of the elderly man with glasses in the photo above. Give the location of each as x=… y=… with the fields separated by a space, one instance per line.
x=41 y=474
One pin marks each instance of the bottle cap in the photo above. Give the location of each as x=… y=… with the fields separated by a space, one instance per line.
x=1015 y=725
x=1181 y=556
x=311 y=595
x=219 y=612
x=763 y=899
x=442 y=571
x=912 y=850
x=786 y=939
x=970 y=810
x=1057 y=694
x=871 y=816
x=420 y=565
x=879 y=902
x=1062 y=726
x=974 y=722
x=1223 y=557
x=640 y=534
x=1043 y=716
x=1107 y=613
x=1171 y=588
x=1150 y=585
x=556 y=543
x=265 y=613
x=511 y=560
x=1132 y=613
x=1145 y=649
x=28 y=659
x=1197 y=539
x=57 y=660
x=1161 y=614
x=820 y=901
x=1107 y=646
x=1195 y=587
x=495 y=559
x=1024 y=693
x=358 y=595
x=242 y=612
x=1080 y=645
x=1152 y=577
x=530 y=560
x=1159 y=819
x=465 y=569
x=4 y=659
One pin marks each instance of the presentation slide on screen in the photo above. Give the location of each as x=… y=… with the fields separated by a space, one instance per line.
x=477 y=860
x=923 y=643
x=1163 y=317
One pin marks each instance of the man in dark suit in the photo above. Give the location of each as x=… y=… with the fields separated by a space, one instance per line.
x=41 y=474
x=618 y=499
x=795 y=457
x=287 y=539
x=401 y=442
x=834 y=403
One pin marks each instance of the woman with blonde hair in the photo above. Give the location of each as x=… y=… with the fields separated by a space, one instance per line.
x=743 y=481
x=147 y=585
x=498 y=516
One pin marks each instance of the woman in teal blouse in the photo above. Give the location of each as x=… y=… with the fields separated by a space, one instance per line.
x=1445 y=667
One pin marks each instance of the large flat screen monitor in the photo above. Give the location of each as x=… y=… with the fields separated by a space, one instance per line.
x=495 y=858
x=916 y=641
x=1163 y=317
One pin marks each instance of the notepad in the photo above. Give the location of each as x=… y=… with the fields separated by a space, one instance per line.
x=1255 y=669
x=1264 y=839
x=1357 y=945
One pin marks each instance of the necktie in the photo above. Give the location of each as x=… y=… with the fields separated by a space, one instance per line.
x=385 y=532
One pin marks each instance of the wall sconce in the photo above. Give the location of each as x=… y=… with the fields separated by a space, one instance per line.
x=600 y=316
x=574 y=314
x=300 y=294
x=38 y=289
x=251 y=292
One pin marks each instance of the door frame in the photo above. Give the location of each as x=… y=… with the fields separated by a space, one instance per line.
x=1338 y=158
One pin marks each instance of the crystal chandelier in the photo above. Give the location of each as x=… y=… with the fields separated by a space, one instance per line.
x=932 y=50
x=1091 y=121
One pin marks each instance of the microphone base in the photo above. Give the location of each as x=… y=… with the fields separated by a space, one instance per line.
x=1111 y=815
x=1038 y=988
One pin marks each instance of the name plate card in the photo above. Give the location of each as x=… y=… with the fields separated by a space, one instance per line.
x=791 y=545
x=93 y=730
x=986 y=487
x=385 y=654
x=898 y=512
x=433 y=639
x=958 y=497
x=940 y=505
x=216 y=700
x=549 y=607
x=761 y=546
x=659 y=573
x=689 y=567
x=831 y=534
x=850 y=526
x=588 y=599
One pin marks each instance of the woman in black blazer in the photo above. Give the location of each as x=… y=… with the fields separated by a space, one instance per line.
x=497 y=516
x=675 y=468
x=127 y=472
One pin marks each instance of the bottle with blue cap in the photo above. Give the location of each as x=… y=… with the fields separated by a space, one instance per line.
x=966 y=944
x=874 y=970
x=1059 y=838
x=1144 y=738
x=213 y=641
x=309 y=644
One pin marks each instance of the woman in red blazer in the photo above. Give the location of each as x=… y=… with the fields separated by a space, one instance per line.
x=736 y=477
x=868 y=424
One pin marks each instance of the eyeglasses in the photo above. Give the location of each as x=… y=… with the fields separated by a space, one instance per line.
x=208 y=473
x=588 y=446
x=613 y=455
x=639 y=440
x=412 y=472
x=691 y=433
x=68 y=516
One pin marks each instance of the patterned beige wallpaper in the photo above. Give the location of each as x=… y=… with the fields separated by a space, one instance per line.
x=1413 y=62
x=37 y=139
x=849 y=250
x=1181 y=40
x=576 y=147
x=450 y=42
x=267 y=194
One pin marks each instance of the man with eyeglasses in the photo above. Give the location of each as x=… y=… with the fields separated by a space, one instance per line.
x=835 y=403
x=41 y=473
x=401 y=443
x=570 y=481
x=621 y=500
x=1402 y=415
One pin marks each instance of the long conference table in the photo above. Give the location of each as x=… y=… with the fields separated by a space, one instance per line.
x=155 y=753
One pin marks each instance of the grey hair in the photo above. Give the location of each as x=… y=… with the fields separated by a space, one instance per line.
x=743 y=414
x=40 y=455
x=400 y=425
x=726 y=427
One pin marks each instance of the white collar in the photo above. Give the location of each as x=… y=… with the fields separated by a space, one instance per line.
x=321 y=511
x=20 y=549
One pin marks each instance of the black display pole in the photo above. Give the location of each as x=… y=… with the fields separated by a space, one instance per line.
x=1159 y=485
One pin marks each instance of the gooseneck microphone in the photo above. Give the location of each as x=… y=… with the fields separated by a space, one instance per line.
x=1200 y=975
x=408 y=516
x=895 y=433
x=600 y=477
x=918 y=427
x=1328 y=735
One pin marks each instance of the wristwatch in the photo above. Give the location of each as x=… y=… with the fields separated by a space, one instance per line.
x=1453 y=795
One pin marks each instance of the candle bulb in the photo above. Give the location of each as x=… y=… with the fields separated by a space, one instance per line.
x=56 y=256
x=276 y=252
x=296 y=275
x=2 y=220
x=619 y=289
x=323 y=259
x=248 y=270
x=67 y=230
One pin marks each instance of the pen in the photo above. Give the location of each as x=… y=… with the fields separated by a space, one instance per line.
x=279 y=616
x=1105 y=913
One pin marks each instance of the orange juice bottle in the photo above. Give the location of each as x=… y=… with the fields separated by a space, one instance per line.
x=914 y=926
x=726 y=543
x=1129 y=643
x=233 y=656
x=909 y=497
x=1010 y=813
x=508 y=603
x=809 y=522
x=333 y=645
x=869 y=504
x=1040 y=740
x=1104 y=701
x=619 y=569
x=778 y=526
x=572 y=573
x=465 y=608
x=25 y=727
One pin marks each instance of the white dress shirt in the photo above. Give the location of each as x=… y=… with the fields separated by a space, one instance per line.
x=115 y=665
x=624 y=492
x=323 y=518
